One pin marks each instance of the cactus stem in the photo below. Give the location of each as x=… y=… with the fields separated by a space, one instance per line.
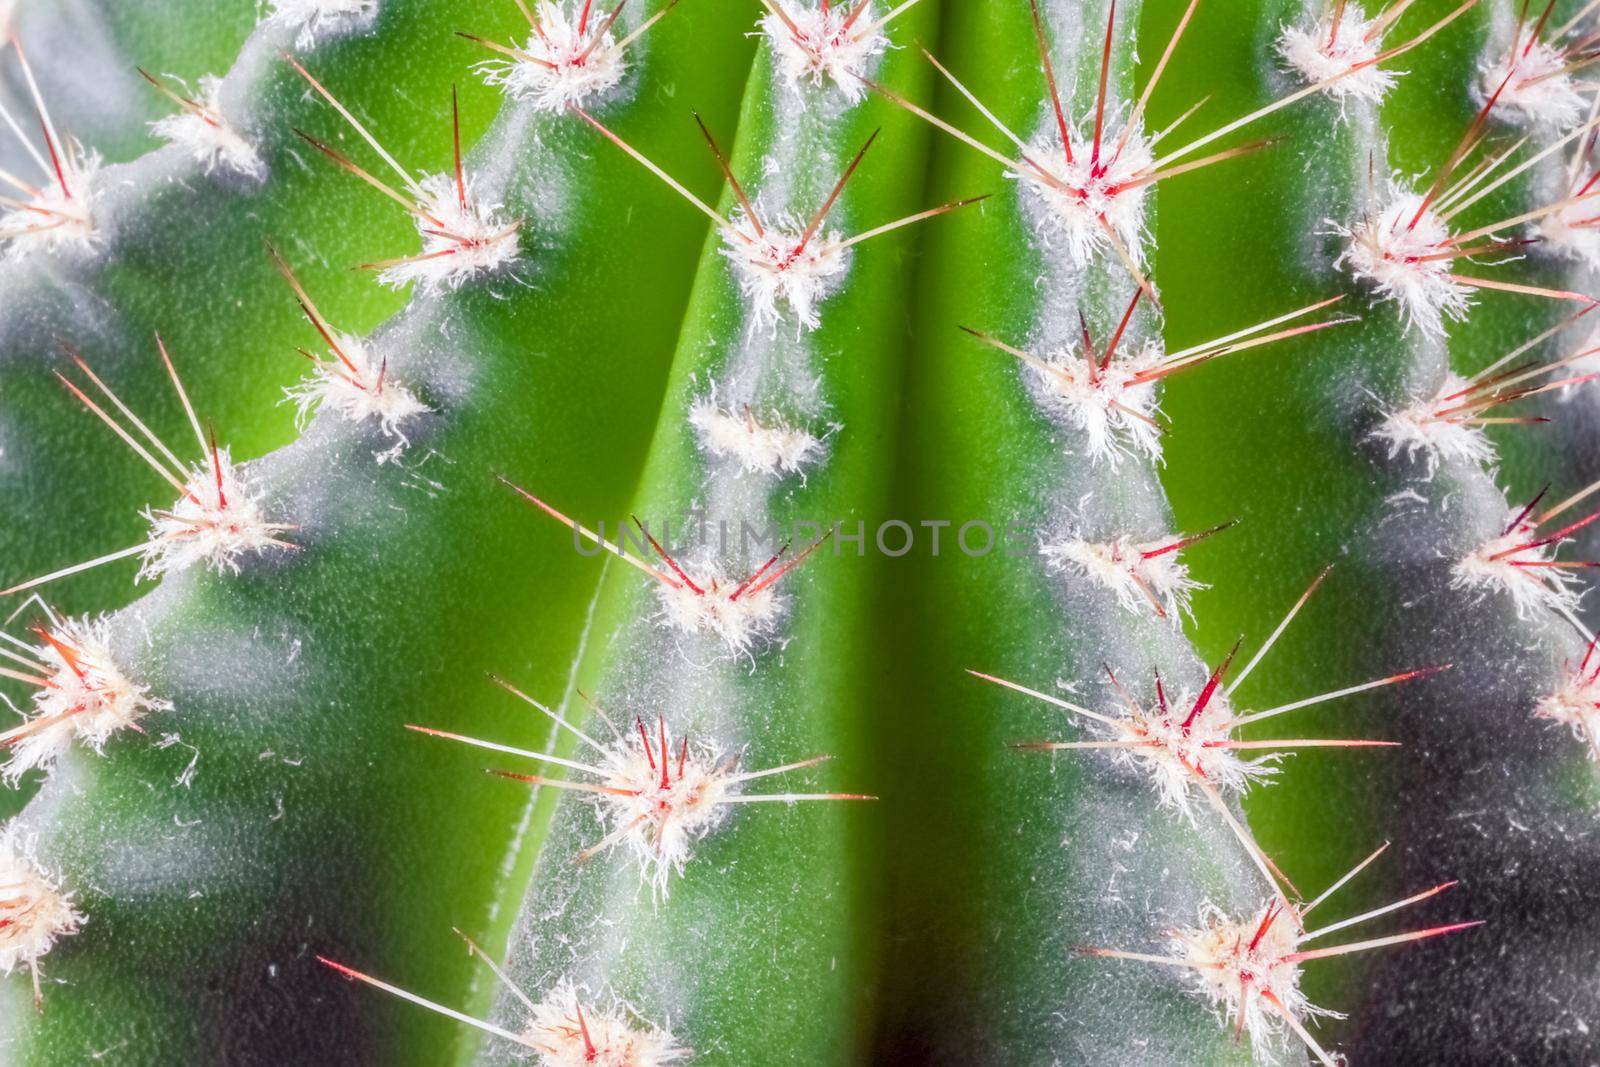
x=658 y=801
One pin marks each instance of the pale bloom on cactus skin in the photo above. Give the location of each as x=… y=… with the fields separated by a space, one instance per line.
x=208 y=137
x=318 y=20
x=773 y=268
x=601 y=1037
x=1124 y=567
x=1234 y=963
x=1317 y=53
x=56 y=219
x=361 y=392
x=1502 y=564
x=836 y=42
x=1114 y=409
x=34 y=911
x=1417 y=430
x=740 y=619
x=88 y=698
x=1402 y=262
x=460 y=242
x=566 y=70
x=1540 y=91
x=769 y=447
x=1087 y=197
x=210 y=524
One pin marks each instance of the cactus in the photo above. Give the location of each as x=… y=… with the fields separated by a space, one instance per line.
x=1052 y=531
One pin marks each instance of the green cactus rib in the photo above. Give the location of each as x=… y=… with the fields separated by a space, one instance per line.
x=765 y=947
x=1055 y=853
x=1482 y=791
x=311 y=820
x=179 y=252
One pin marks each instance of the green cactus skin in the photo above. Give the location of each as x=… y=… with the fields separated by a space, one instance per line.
x=293 y=679
x=280 y=812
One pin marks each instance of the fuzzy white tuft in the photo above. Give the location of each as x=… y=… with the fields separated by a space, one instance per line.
x=459 y=242
x=1114 y=408
x=88 y=698
x=600 y=1037
x=1573 y=230
x=56 y=219
x=1139 y=580
x=739 y=623
x=1406 y=263
x=359 y=392
x=1503 y=565
x=1084 y=199
x=833 y=44
x=560 y=74
x=771 y=448
x=1320 y=52
x=208 y=137
x=1575 y=703
x=34 y=912
x=1177 y=753
x=1234 y=963
x=772 y=268
x=208 y=525
x=317 y=20
x=1540 y=92
x=1420 y=430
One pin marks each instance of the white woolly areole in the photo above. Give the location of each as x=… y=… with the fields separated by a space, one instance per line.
x=362 y=391
x=661 y=807
x=739 y=619
x=459 y=241
x=34 y=912
x=1083 y=199
x=1418 y=430
x=1493 y=567
x=1574 y=229
x=772 y=447
x=1179 y=753
x=1114 y=409
x=1539 y=93
x=1140 y=580
x=317 y=20
x=56 y=219
x=772 y=269
x=1388 y=253
x=602 y=1037
x=1233 y=967
x=208 y=137
x=88 y=698
x=208 y=525
x=1320 y=52
x=1575 y=703
x=561 y=73
x=832 y=45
